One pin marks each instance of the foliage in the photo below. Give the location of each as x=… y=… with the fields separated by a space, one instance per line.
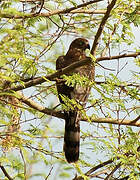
x=32 y=35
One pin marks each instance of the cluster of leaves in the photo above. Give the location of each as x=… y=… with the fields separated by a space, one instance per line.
x=29 y=45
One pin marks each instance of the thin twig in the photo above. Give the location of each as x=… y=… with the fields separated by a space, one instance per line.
x=5 y=172
x=99 y=166
x=24 y=162
x=42 y=3
x=112 y=172
x=49 y=173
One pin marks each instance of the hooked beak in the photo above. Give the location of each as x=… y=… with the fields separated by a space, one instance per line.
x=88 y=46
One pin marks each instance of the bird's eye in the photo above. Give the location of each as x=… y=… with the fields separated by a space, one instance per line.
x=81 y=43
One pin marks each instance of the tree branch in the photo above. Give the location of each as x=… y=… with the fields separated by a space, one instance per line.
x=136 y=119
x=95 y=12
x=118 y=56
x=55 y=12
x=101 y=27
x=52 y=77
x=112 y=172
x=40 y=80
x=59 y=114
x=38 y=107
x=94 y=169
x=42 y=4
x=121 y=85
x=82 y=11
x=114 y=121
x=5 y=172
x=98 y=167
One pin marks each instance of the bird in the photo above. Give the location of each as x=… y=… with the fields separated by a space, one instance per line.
x=75 y=53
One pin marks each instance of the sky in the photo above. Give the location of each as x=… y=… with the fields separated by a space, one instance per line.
x=59 y=124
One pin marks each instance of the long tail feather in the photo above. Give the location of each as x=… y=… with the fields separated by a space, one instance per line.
x=72 y=136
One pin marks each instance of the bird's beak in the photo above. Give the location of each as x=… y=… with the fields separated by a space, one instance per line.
x=88 y=46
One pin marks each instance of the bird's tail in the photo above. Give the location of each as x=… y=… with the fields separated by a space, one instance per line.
x=72 y=136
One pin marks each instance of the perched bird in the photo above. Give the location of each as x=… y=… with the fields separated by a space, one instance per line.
x=79 y=93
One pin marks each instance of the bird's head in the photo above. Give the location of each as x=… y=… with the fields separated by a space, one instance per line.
x=80 y=43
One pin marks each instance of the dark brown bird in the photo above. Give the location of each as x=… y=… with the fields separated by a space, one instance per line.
x=75 y=53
